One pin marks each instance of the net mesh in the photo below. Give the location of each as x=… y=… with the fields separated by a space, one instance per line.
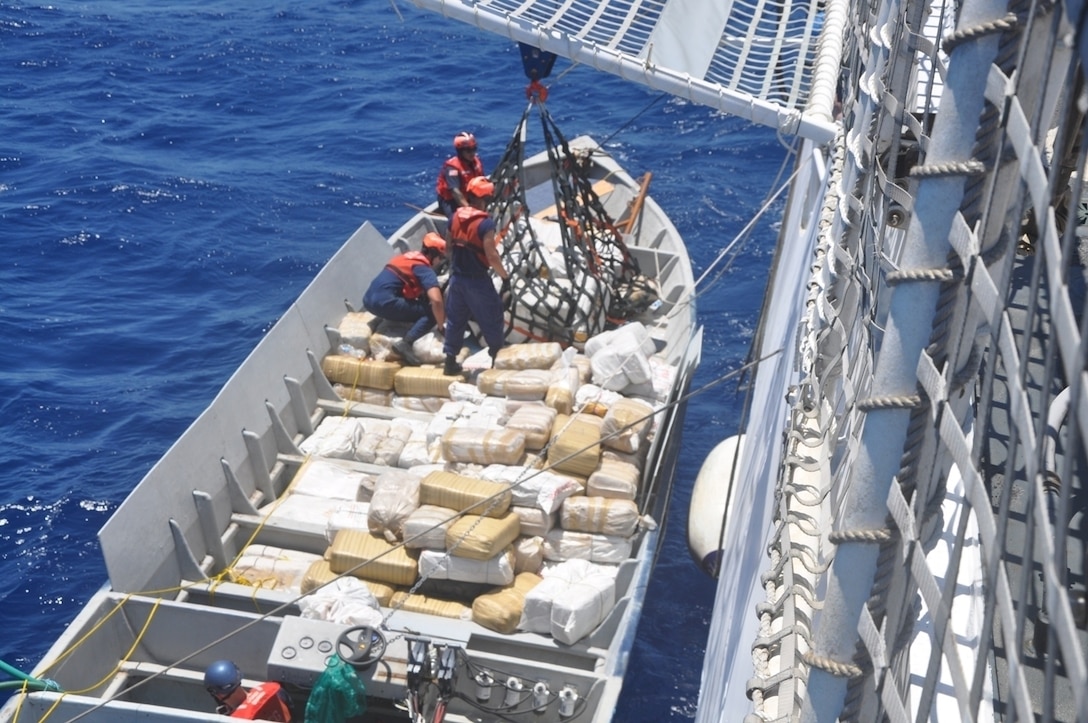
x=570 y=271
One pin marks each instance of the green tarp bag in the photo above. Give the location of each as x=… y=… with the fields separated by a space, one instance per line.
x=337 y=695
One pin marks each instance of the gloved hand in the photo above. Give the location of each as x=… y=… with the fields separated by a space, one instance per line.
x=505 y=289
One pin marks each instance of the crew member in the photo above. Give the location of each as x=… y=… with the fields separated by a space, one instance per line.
x=471 y=291
x=457 y=172
x=267 y=701
x=407 y=290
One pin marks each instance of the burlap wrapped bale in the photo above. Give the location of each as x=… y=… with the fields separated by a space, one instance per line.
x=604 y=515
x=575 y=447
x=422 y=382
x=415 y=603
x=483 y=446
x=528 y=356
x=353 y=372
x=457 y=492
x=481 y=538
x=383 y=562
x=500 y=609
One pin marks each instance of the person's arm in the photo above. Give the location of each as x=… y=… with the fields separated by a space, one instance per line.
x=438 y=307
x=491 y=251
x=458 y=196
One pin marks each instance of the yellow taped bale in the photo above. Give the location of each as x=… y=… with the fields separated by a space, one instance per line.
x=529 y=385
x=483 y=446
x=416 y=603
x=528 y=356
x=575 y=447
x=460 y=493
x=481 y=538
x=535 y=422
x=492 y=381
x=364 y=395
x=603 y=515
x=500 y=609
x=320 y=574
x=626 y=424
x=354 y=372
x=614 y=478
x=422 y=382
x=384 y=561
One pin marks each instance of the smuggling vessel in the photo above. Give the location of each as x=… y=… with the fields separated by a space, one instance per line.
x=375 y=540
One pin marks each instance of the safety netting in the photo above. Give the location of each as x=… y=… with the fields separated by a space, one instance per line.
x=570 y=270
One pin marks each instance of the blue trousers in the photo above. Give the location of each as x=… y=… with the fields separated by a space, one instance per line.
x=475 y=297
x=381 y=303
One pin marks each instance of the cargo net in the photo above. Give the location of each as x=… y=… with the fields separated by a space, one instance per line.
x=568 y=264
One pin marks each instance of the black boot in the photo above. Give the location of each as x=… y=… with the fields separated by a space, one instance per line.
x=404 y=351
x=452 y=367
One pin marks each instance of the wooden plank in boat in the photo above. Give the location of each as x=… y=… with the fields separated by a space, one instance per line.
x=601 y=188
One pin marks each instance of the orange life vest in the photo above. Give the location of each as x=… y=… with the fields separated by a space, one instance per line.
x=403 y=266
x=466 y=172
x=263 y=702
x=464 y=231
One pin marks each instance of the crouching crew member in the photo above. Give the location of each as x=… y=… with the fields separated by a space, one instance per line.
x=471 y=291
x=407 y=290
x=267 y=701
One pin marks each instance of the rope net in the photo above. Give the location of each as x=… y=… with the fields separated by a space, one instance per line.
x=570 y=270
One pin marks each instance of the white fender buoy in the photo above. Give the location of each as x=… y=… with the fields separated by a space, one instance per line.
x=709 y=500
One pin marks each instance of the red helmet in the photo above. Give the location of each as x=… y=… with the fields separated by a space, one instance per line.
x=481 y=187
x=464 y=140
x=434 y=242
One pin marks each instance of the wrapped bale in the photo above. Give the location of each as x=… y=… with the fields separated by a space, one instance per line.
x=416 y=603
x=531 y=487
x=575 y=447
x=499 y=570
x=364 y=395
x=426 y=527
x=573 y=598
x=625 y=425
x=422 y=382
x=560 y=545
x=483 y=446
x=599 y=514
x=272 y=568
x=592 y=399
x=457 y=492
x=396 y=496
x=528 y=356
x=492 y=382
x=580 y=363
x=368 y=557
x=335 y=437
x=319 y=573
x=481 y=538
x=353 y=372
x=500 y=610
x=355 y=329
x=428 y=405
x=321 y=478
x=533 y=520
x=527 y=385
x=348 y=516
x=561 y=392
x=615 y=479
x=528 y=554
x=535 y=422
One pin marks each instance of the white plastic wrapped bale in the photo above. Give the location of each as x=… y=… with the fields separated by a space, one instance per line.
x=620 y=362
x=613 y=478
x=592 y=399
x=307 y=512
x=348 y=516
x=388 y=450
x=426 y=527
x=533 y=487
x=429 y=348
x=396 y=496
x=346 y=601
x=335 y=437
x=443 y=419
x=331 y=480
x=572 y=599
x=465 y=392
x=599 y=514
x=418 y=449
x=272 y=568
x=560 y=545
x=483 y=446
x=528 y=356
x=498 y=570
x=626 y=424
x=535 y=422
x=428 y=405
x=354 y=330
x=572 y=359
x=633 y=334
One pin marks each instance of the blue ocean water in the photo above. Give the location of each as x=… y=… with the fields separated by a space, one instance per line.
x=172 y=176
